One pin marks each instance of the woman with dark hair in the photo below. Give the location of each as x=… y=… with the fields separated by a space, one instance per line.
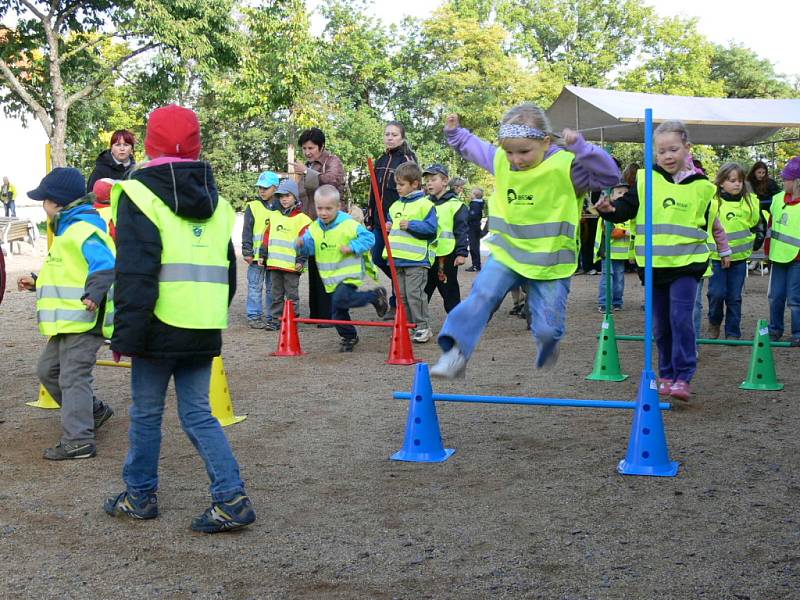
x=115 y=162
x=397 y=152
x=762 y=184
x=321 y=168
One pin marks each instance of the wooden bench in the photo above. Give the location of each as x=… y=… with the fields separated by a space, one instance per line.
x=15 y=231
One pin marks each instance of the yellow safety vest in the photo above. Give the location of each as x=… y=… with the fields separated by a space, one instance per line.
x=404 y=245
x=785 y=236
x=283 y=232
x=445 y=237
x=680 y=228
x=193 y=281
x=261 y=215
x=62 y=281
x=737 y=218
x=105 y=213
x=334 y=266
x=534 y=217
x=620 y=248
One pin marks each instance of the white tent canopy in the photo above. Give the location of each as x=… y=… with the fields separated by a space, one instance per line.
x=615 y=116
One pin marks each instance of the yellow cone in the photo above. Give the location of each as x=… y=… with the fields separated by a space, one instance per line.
x=220 y=396
x=45 y=400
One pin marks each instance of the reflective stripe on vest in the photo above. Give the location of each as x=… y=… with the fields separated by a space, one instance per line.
x=785 y=234
x=404 y=245
x=335 y=267
x=261 y=215
x=61 y=284
x=445 y=215
x=193 y=280
x=283 y=232
x=682 y=219
x=534 y=218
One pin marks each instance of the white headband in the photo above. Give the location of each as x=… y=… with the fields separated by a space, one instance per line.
x=521 y=131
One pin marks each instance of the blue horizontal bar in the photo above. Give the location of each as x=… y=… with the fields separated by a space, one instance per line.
x=569 y=402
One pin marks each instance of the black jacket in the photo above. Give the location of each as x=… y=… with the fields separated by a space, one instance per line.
x=189 y=190
x=627 y=207
x=460 y=226
x=106 y=166
x=384 y=173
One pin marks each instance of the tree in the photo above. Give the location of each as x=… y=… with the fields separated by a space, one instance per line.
x=744 y=74
x=62 y=53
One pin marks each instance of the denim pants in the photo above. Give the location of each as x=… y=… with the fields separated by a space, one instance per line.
x=11 y=209
x=345 y=297
x=547 y=301
x=617 y=284
x=673 y=306
x=149 y=380
x=725 y=296
x=258 y=280
x=784 y=287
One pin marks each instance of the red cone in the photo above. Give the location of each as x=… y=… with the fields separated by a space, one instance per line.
x=401 y=352
x=288 y=339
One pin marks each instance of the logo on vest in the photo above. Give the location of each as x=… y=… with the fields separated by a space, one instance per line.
x=280 y=228
x=324 y=246
x=730 y=216
x=668 y=202
x=784 y=219
x=197 y=230
x=512 y=197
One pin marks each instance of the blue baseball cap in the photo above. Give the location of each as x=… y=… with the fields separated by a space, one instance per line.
x=267 y=179
x=62 y=185
x=436 y=168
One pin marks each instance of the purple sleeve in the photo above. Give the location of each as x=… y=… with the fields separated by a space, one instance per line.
x=471 y=147
x=593 y=168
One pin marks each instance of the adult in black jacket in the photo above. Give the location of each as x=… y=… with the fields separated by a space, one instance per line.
x=115 y=162
x=397 y=152
x=762 y=185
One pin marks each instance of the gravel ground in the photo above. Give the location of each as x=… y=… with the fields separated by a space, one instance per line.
x=530 y=505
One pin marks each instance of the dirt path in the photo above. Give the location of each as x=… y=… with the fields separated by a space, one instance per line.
x=530 y=506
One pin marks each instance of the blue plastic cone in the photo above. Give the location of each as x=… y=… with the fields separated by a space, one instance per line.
x=647 y=448
x=423 y=440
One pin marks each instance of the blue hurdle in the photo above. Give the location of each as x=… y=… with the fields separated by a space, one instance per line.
x=562 y=402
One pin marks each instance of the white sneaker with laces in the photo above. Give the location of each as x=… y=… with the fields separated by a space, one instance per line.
x=451 y=365
x=421 y=336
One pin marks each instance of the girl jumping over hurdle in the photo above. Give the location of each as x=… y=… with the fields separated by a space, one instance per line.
x=684 y=212
x=533 y=218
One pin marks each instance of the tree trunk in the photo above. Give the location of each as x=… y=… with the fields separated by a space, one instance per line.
x=58 y=149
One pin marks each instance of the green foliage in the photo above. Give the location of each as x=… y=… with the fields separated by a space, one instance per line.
x=745 y=75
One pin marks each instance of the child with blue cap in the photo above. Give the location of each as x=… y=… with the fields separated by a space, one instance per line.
x=256 y=222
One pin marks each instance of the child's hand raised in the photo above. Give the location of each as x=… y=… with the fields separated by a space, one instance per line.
x=570 y=136
x=452 y=121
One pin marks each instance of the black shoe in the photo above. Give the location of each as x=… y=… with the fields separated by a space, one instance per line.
x=324 y=326
x=473 y=269
x=775 y=337
x=517 y=310
x=130 y=505
x=103 y=414
x=226 y=516
x=390 y=314
x=381 y=302
x=68 y=451
x=347 y=344
x=271 y=326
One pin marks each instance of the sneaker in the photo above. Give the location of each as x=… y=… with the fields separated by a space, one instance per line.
x=226 y=516
x=548 y=355
x=516 y=310
x=451 y=365
x=593 y=272
x=381 y=303
x=103 y=414
x=421 y=336
x=473 y=269
x=663 y=386
x=133 y=506
x=390 y=314
x=617 y=308
x=601 y=309
x=272 y=326
x=347 y=344
x=680 y=390
x=775 y=337
x=256 y=323
x=794 y=342
x=68 y=451
x=713 y=331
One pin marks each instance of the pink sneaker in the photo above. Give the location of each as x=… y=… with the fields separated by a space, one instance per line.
x=680 y=390
x=663 y=386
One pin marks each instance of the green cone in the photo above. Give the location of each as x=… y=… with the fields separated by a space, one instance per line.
x=606 y=361
x=761 y=374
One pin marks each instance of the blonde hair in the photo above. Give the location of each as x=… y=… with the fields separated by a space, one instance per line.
x=327 y=192
x=528 y=114
x=674 y=127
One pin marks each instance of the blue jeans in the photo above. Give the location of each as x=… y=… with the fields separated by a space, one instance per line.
x=697 y=315
x=617 y=284
x=345 y=297
x=149 y=380
x=784 y=287
x=11 y=209
x=725 y=291
x=547 y=301
x=258 y=280
x=673 y=305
